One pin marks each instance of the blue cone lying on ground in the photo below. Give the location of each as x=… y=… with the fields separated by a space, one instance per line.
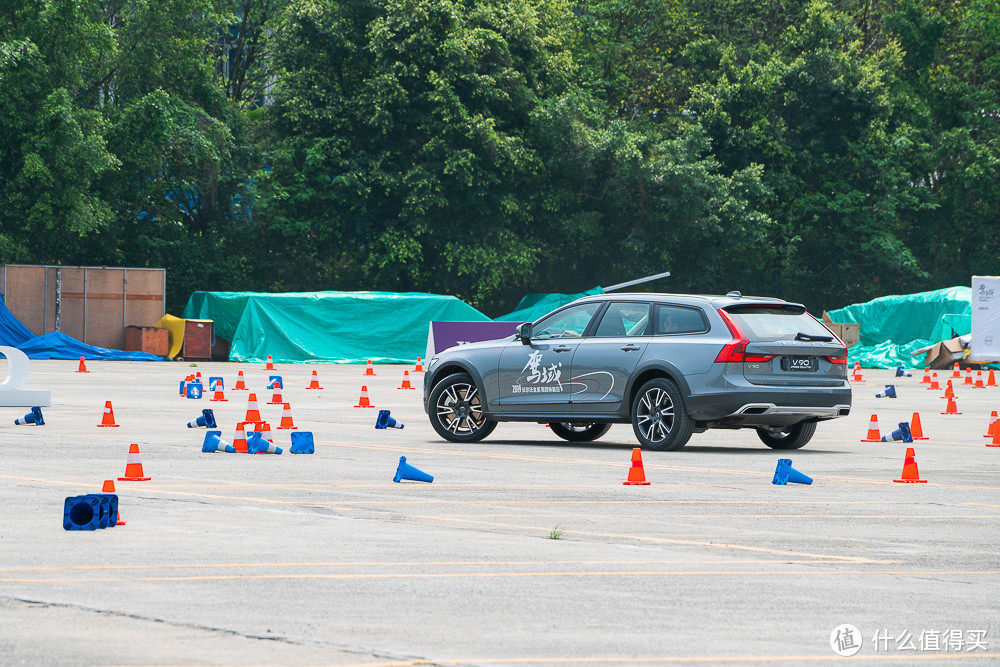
x=302 y=443
x=215 y=443
x=903 y=373
x=207 y=420
x=33 y=417
x=901 y=433
x=888 y=392
x=406 y=471
x=385 y=421
x=90 y=512
x=785 y=474
x=258 y=444
x=194 y=390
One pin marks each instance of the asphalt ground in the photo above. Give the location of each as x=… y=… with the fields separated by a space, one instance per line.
x=524 y=550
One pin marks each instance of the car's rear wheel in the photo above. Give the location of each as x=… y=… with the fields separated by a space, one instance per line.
x=791 y=437
x=659 y=418
x=456 y=410
x=579 y=432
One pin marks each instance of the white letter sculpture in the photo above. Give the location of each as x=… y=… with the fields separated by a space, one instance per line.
x=18 y=372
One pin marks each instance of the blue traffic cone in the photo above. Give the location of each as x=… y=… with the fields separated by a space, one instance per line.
x=903 y=373
x=193 y=390
x=901 y=433
x=183 y=388
x=258 y=444
x=385 y=421
x=302 y=443
x=888 y=392
x=215 y=443
x=83 y=512
x=406 y=471
x=207 y=419
x=33 y=417
x=785 y=473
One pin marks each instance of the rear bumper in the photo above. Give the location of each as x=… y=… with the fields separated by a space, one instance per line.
x=772 y=406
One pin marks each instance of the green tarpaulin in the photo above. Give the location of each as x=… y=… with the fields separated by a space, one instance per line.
x=893 y=327
x=533 y=306
x=335 y=327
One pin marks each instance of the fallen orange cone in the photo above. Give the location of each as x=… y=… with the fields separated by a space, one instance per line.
x=109 y=416
x=133 y=467
x=910 y=473
x=636 y=474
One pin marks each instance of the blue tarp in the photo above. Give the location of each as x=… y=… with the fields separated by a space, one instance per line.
x=57 y=345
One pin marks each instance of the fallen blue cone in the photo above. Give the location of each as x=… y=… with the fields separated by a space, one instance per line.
x=888 y=392
x=406 y=471
x=385 y=421
x=903 y=373
x=302 y=443
x=258 y=444
x=33 y=417
x=207 y=420
x=901 y=433
x=215 y=443
x=785 y=474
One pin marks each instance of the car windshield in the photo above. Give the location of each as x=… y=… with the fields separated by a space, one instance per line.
x=761 y=323
x=567 y=323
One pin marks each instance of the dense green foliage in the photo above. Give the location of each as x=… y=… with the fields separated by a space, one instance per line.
x=824 y=151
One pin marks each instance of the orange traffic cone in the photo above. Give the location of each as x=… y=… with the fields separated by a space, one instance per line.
x=314 y=383
x=253 y=414
x=286 y=418
x=370 y=370
x=109 y=416
x=82 y=368
x=857 y=373
x=265 y=431
x=996 y=437
x=270 y=364
x=952 y=408
x=979 y=380
x=934 y=383
x=363 y=402
x=873 y=433
x=968 y=377
x=910 y=473
x=927 y=376
x=916 y=430
x=993 y=425
x=991 y=380
x=133 y=467
x=406 y=381
x=636 y=474
x=219 y=395
x=949 y=391
x=240 y=385
x=420 y=366
x=109 y=487
x=276 y=397
x=955 y=373
x=240 y=439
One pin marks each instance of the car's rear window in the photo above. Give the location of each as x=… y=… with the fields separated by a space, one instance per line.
x=678 y=320
x=761 y=323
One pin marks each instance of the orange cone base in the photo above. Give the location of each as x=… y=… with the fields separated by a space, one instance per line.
x=364 y=406
x=219 y=400
x=287 y=428
x=635 y=483
x=911 y=481
x=108 y=425
x=991 y=445
x=951 y=413
x=134 y=479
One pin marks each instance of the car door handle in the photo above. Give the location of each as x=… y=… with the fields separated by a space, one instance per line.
x=562 y=348
x=630 y=347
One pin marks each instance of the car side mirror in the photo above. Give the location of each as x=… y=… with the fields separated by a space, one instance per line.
x=523 y=332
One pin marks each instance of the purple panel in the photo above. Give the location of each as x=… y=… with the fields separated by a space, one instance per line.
x=449 y=334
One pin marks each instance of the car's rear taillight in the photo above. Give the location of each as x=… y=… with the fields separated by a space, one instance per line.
x=735 y=351
x=839 y=359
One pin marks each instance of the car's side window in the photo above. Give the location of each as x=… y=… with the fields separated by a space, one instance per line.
x=678 y=320
x=568 y=323
x=623 y=319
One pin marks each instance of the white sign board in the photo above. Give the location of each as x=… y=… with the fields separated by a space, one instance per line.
x=18 y=372
x=985 y=318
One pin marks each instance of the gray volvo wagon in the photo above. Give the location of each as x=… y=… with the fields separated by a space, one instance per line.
x=671 y=364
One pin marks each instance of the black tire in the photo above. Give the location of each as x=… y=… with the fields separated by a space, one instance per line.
x=579 y=431
x=456 y=410
x=659 y=418
x=793 y=437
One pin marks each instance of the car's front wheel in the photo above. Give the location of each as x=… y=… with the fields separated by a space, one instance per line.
x=791 y=437
x=456 y=410
x=579 y=432
x=659 y=418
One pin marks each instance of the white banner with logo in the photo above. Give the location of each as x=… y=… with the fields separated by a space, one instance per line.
x=985 y=318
